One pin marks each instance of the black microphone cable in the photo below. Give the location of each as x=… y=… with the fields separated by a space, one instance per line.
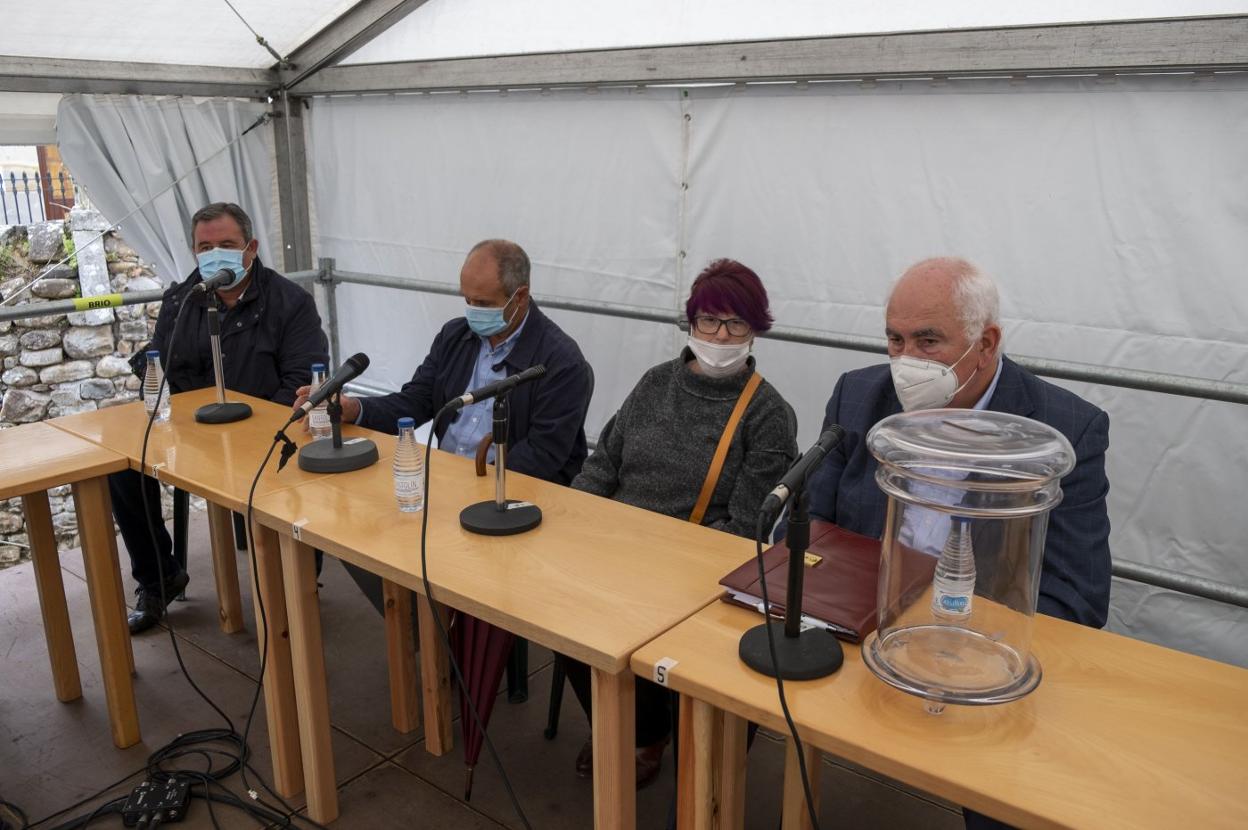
x=775 y=662
x=446 y=639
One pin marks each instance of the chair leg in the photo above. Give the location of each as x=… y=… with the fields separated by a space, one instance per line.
x=558 y=675
x=240 y=531
x=518 y=672
x=181 y=529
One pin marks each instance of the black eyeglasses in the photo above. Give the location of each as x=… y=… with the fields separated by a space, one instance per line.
x=706 y=324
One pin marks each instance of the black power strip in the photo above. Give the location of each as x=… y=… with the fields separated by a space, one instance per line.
x=160 y=801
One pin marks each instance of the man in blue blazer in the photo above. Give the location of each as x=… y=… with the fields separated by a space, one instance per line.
x=944 y=344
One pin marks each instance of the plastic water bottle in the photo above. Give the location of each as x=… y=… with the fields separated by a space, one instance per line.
x=409 y=469
x=155 y=398
x=953 y=587
x=318 y=418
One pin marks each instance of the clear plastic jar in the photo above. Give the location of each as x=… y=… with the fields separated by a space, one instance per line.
x=969 y=496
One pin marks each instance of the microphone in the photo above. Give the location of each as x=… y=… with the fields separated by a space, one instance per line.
x=218 y=280
x=795 y=478
x=491 y=390
x=352 y=368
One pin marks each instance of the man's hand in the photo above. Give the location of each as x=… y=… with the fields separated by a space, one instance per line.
x=350 y=406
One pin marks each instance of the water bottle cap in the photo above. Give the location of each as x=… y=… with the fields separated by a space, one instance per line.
x=407 y=423
x=318 y=367
x=153 y=354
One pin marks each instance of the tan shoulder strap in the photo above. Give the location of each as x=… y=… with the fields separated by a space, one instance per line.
x=721 y=451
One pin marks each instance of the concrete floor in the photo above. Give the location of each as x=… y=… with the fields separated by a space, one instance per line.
x=56 y=758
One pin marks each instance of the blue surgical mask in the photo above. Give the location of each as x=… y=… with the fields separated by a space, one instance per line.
x=487 y=322
x=210 y=262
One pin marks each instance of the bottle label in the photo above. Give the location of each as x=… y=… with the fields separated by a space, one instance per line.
x=953 y=603
x=407 y=486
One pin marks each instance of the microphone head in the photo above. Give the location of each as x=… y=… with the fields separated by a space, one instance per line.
x=535 y=371
x=831 y=437
x=358 y=361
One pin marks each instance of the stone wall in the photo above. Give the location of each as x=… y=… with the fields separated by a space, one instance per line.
x=59 y=364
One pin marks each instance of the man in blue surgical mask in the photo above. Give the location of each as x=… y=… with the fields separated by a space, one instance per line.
x=270 y=337
x=500 y=332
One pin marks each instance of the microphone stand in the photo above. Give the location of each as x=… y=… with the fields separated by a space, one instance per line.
x=800 y=655
x=502 y=516
x=219 y=412
x=333 y=455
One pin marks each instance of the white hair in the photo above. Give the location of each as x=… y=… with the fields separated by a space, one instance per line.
x=975 y=296
x=976 y=299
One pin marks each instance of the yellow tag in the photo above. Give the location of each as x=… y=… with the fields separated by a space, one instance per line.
x=811 y=559
x=102 y=301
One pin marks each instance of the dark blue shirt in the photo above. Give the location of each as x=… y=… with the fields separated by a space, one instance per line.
x=547 y=416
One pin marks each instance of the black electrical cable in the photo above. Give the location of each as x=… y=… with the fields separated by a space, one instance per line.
x=775 y=662
x=446 y=640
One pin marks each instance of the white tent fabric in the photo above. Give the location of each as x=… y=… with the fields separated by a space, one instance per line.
x=461 y=28
x=1109 y=212
x=126 y=149
x=206 y=34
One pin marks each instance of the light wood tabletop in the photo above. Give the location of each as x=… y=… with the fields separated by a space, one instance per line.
x=40 y=456
x=216 y=461
x=1119 y=734
x=594 y=581
x=35 y=458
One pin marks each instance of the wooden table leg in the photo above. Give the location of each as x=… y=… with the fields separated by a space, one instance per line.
x=795 y=814
x=225 y=568
x=695 y=777
x=614 y=731
x=51 y=588
x=99 y=555
x=730 y=775
x=279 y=688
x=308 y=664
x=401 y=657
x=435 y=679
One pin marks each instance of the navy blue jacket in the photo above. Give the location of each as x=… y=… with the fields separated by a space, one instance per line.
x=269 y=339
x=547 y=416
x=1074 y=580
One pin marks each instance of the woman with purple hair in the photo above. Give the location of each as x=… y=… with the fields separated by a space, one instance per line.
x=657 y=451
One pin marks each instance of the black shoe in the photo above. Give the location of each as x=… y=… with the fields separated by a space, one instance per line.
x=148 y=609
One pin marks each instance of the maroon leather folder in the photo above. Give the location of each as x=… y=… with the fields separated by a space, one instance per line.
x=840 y=590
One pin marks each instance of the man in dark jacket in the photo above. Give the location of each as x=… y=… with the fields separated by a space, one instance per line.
x=944 y=341
x=501 y=333
x=270 y=337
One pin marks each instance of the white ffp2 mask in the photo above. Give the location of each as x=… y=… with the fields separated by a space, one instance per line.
x=926 y=384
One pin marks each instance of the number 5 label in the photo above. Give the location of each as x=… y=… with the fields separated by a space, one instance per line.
x=661 y=668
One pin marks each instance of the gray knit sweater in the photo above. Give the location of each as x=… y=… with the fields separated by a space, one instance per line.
x=655 y=452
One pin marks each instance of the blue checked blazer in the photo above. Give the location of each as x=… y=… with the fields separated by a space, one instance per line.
x=1074 y=581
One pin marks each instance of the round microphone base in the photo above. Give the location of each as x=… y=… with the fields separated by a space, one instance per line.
x=486 y=518
x=814 y=653
x=321 y=456
x=222 y=413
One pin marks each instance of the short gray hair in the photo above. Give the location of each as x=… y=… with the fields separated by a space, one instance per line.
x=975 y=296
x=218 y=209
x=513 y=262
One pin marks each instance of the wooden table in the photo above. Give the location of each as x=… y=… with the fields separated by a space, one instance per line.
x=218 y=462
x=36 y=457
x=1119 y=734
x=595 y=581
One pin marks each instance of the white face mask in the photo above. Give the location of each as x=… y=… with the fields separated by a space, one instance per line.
x=719 y=360
x=926 y=384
